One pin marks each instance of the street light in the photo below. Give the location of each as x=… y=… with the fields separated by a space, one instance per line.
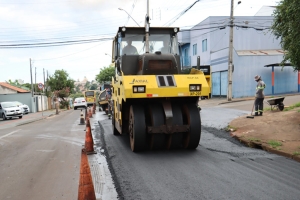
x=230 y=65
x=129 y=15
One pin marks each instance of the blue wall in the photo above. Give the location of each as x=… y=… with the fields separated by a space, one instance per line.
x=246 y=63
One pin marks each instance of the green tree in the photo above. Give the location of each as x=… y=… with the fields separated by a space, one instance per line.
x=105 y=75
x=87 y=85
x=14 y=83
x=286 y=27
x=61 y=85
x=77 y=89
x=93 y=86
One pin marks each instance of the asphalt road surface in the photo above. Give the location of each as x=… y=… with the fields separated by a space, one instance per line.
x=220 y=168
x=41 y=160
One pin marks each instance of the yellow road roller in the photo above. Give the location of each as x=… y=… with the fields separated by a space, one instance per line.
x=154 y=102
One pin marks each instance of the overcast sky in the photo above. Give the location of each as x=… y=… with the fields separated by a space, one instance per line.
x=95 y=21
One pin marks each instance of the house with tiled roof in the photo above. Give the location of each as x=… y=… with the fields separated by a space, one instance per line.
x=6 y=88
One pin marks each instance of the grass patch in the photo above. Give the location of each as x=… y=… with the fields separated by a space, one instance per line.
x=267 y=109
x=296 y=105
x=296 y=153
x=230 y=128
x=275 y=144
x=254 y=140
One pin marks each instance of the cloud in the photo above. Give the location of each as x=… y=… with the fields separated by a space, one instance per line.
x=32 y=22
x=96 y=5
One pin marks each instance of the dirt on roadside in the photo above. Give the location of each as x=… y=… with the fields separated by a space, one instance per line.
x=276 y=131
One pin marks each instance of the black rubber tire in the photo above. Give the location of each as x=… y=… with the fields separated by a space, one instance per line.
x=104 y=106
x=177 y=138
x=281 y=106
x=192 y=117
x=115 y=131
x=20 y=117
x=75 y=108
x=137 y=128
x=157 y=118
x=3 y=117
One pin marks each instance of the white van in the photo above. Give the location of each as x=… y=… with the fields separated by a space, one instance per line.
x=8 y=110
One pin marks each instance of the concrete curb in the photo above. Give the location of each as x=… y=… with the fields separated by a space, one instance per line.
x=38 y=119
x=253 y=98
x=264 y=147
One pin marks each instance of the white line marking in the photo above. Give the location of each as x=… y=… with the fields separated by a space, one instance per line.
x=9 y=134
x=45 y=150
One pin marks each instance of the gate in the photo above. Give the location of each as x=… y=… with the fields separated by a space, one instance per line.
x=219 y=83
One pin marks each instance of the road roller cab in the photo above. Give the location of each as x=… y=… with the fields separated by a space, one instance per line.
x=153 y=100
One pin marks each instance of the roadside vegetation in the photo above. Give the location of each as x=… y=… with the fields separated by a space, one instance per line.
x=275 y=144
x=254 y=140
x=230 y=128
x=296 y=153
x=61 y=86
x=105 y=75
x=286 y=26
x=297 y=105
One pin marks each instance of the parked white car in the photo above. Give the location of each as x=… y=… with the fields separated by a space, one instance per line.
x=26 y=109
x=8 y=110
x=80 y=102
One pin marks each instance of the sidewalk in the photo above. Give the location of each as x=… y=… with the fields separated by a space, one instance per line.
x=102 y=179
x=28 y=118
x=276 y=131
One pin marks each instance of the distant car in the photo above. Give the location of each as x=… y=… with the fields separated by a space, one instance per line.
x=80 y=103
x=24 y=106
x=8 y=110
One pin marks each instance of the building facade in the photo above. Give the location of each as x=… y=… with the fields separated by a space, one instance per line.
x=254 y=47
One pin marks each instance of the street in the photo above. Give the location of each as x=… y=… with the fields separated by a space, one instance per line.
x=41 y=160
x=220 y=168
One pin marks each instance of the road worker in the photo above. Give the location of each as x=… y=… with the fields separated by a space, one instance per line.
x=259 y=96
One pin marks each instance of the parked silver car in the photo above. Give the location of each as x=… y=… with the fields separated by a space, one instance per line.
x=80 y=102
x=26 y=109
x=8 y=110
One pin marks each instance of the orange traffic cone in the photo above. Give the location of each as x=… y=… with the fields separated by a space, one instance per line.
x=81 y=119
x=94 y=108
x=87 y=119
x=86 y=114
x=86 y=187
x=89 y=142
x=90 y=113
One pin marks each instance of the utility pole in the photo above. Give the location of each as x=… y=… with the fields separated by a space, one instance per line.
x=47 y=82
x=44 y=79
x=147 y=27
x=35 y=80
x=229 y=88
x=31 y=77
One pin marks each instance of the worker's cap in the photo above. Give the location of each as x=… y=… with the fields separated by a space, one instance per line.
x=256 y=77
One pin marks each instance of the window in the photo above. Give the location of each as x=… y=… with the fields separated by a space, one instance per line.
x=194 y=49
x=204 y=45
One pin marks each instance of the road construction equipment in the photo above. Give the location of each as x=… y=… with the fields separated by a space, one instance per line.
x=153 y=101
x=103 y=103
x=90 y=97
